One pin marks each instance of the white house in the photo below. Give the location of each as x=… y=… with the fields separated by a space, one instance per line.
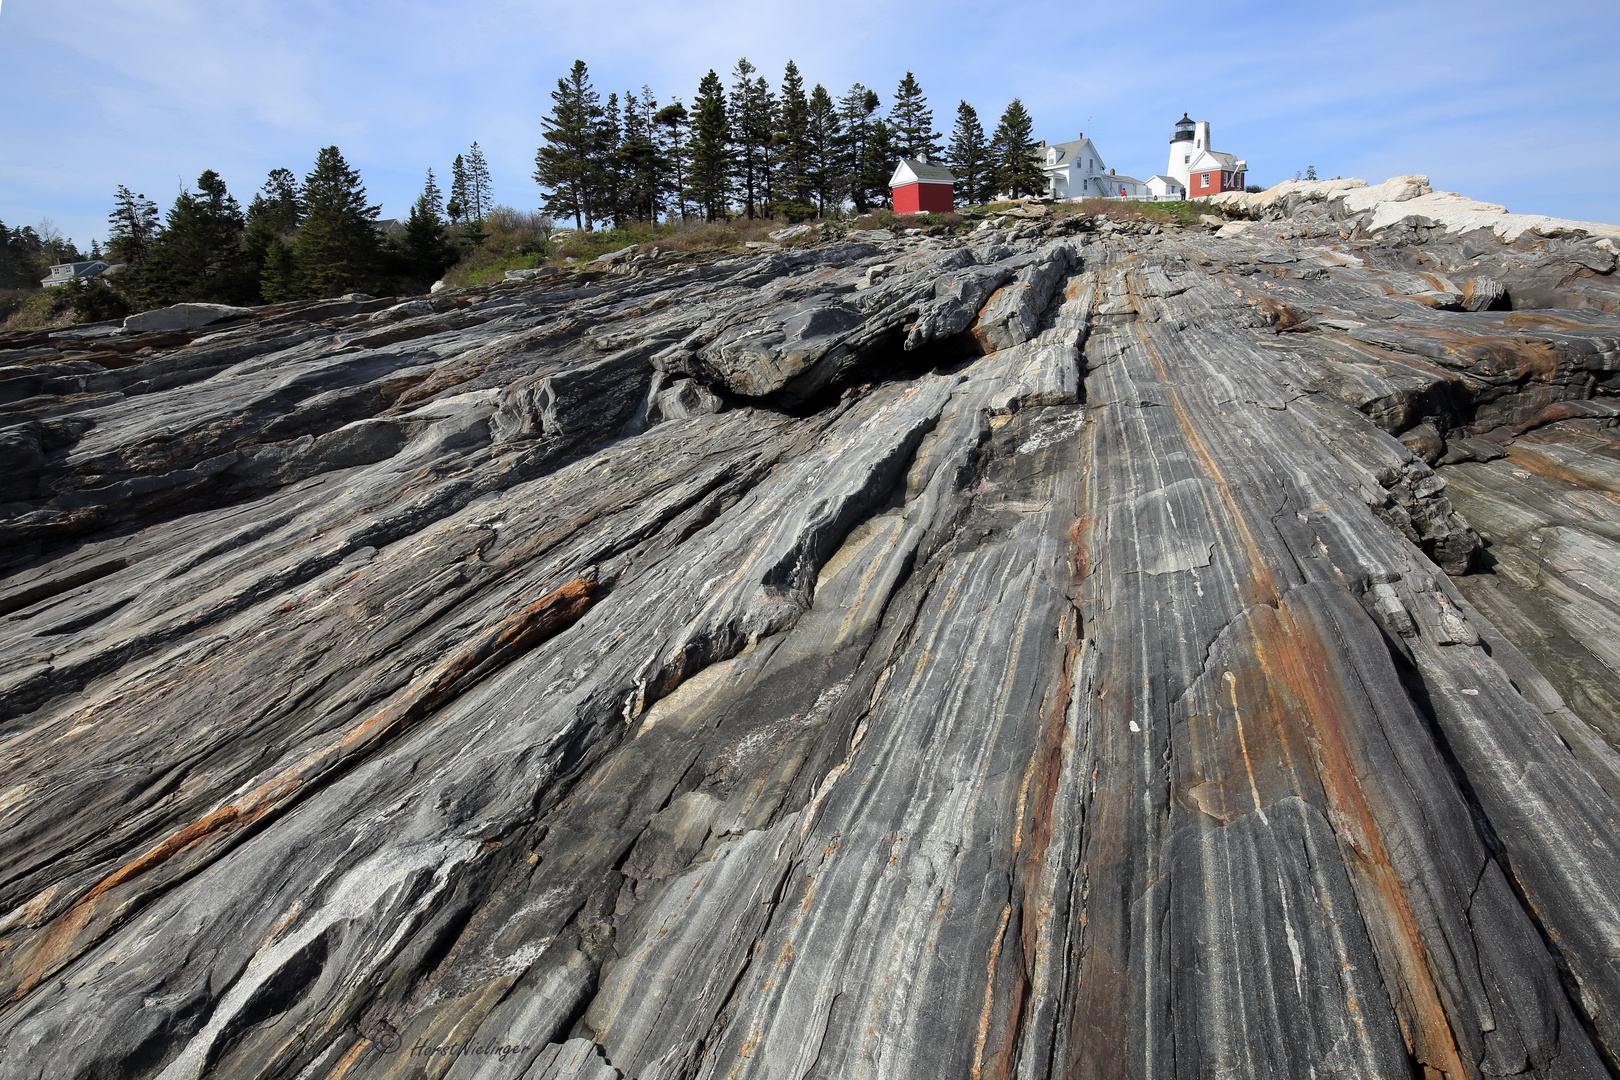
x=1201 y=169
x=62 y=273
x=1075 y=170
x=1069 y=167
x=1166 y=187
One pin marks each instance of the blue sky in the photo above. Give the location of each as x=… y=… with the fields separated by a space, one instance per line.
x=1511 y=102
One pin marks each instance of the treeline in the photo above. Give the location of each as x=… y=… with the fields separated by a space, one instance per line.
x=748 y=149
x=296 y=240
x=27 y=255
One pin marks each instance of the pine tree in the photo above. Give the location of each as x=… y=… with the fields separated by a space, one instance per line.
x=460 y=198
x=606 y=178
x=968 y=156
x=427 y=245
x=272 y=219
x=824 y=133
x=709 y=181
x=641 y=167
x=866 y=148
x=133 y=226
x=278 y=203
x=1017 y=173
x=200 y=255
x=673 y=119
x=564 y=166
x=794 y=189
x=478 y=185
x=752 y=127
x=912 y=122
x=337 y=246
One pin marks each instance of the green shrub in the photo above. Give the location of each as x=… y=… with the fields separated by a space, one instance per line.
x=94 y=300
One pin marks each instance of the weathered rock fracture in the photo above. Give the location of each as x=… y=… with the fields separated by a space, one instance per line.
x=1065 y=650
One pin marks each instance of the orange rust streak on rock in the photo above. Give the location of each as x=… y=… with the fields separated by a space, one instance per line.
x=1263 y=587
x=1296 y=659
x=1550 y=468
x=515 y=634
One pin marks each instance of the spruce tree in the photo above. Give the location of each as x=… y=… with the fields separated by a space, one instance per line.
x=565 y=165
x=427 y=245
x=709 y=179
x=912 y=122
x=824 y=133
x=133 y=227
x=866 y=148
x=337 y=246
x=968 y=157
x=672 y=120
x=752 y=127
x=200 y=255
x=795 y=188
x=641 y=166
x=606 y=175
x=278 y=203
x=478 y=185
x=1017 y=173
x=272 y=219
x=460 y=197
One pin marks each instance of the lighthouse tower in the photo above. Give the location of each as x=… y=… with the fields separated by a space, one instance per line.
x=1201 y=169
x=1182 y=150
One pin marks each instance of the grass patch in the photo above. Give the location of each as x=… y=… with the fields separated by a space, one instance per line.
x=35 y=309
x=888 y=219
x=1161 y=213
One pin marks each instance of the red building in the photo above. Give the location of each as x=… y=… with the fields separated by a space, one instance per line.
x=920 y=186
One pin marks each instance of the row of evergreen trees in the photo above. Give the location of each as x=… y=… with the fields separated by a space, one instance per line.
x=756 y=151
x=296 y=240
x=27 y=255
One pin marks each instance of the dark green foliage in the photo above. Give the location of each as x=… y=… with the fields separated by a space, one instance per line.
x=670 y=123
x=565 y=165
x=642 y=168
x=132 y=228
x=426 y=244
x=606 y=178
x=278 y=204
x=458 y=189
x=753 y=127
x=1017 y=173
x=272 y=220
x=278 y=273
x=476 y=197
x=337 y=245
x=968 y=157
x=200 y=256
x=709 y=179
x=94 y=300
x=824 y=135
x=794 y=189
x=912 y=122
x=867 y=148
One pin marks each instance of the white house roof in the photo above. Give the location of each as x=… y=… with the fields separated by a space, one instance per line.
x=1121 y=177
x=1216 y=159
x=1167 y=179
x=1066 y=152
x=917 y=171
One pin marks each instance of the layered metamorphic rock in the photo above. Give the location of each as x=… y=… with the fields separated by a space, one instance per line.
x=1067 y=649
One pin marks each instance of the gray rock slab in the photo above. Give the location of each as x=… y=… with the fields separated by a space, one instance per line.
x=1153 y=652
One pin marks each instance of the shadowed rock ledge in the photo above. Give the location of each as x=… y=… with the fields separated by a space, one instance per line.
x=1066 y=650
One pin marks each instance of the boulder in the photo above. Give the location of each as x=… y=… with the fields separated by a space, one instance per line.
x=185 y=317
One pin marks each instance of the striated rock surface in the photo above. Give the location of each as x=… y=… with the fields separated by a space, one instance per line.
x=1073 y=649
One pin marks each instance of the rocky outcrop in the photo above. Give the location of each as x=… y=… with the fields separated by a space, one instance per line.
x=1067 y=648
